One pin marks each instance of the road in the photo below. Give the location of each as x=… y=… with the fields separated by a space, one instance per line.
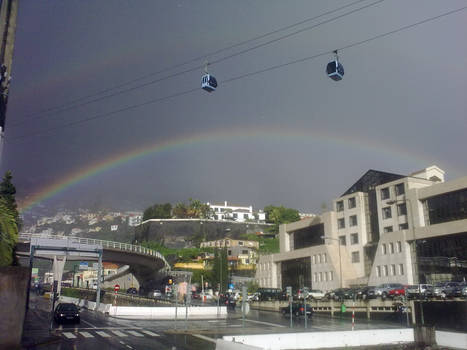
x=97 y=331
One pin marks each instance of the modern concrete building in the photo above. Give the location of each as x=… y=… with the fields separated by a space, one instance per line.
x=385 y=228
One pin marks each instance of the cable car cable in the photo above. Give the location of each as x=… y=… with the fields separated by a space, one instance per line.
x=160 y=99
x=64 y=109
x=79 y=99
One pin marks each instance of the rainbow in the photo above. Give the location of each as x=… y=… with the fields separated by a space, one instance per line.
x=210 y=136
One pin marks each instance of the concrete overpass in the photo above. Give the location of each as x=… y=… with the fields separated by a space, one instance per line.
x=146 y=264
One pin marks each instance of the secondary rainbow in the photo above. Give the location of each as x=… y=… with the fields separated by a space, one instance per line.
x=212 y=136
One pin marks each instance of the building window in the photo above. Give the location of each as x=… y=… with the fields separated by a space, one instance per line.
x=318 y=259
x=240 y=243
x=354 y=238
x=388 y=229
x=393 y=270
x=401 y=269
x=403 y=227
x=384 y=249
x=385 y=193
x=355 y=257
x=330 y=276
x=342 y=240
x=235 y=215
x=378 y=271
x=385 y=270
x=402 y=209
x=320 y=278
x=341 y=223
x=387 y=213
x=399 y=189
x=314 y=277
x=314 y=259
x=229 y=252
x=399 y=246
x=352 y=203
x=391 y=248
x=325 y=276
x=340 y=206
x=244 y=251
x=353 y=220
x=323 y=258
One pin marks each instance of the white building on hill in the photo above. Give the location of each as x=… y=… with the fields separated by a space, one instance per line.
x=239 y=213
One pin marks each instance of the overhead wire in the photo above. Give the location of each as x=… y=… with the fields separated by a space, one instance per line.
x=194 y=59
x=74 y=106
x=264 y=70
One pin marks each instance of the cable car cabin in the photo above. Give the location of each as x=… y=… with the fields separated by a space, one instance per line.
x=335 y=70
x=208 y=83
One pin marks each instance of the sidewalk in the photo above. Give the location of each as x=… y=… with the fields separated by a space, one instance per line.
x=36 y=325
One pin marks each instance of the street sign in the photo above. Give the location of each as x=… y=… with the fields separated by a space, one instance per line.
x=117 y=287
x=83 y=265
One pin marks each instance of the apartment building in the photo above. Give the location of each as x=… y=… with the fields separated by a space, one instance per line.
x=385 y=228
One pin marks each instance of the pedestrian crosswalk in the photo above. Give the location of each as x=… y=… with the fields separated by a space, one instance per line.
x=107 y=333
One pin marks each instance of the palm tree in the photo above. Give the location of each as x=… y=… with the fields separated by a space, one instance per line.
x=8 y=234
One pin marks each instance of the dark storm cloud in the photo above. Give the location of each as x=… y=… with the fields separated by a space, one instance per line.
x=400 y=107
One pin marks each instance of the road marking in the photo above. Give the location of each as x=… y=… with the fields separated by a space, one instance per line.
x=103 y=334
x=136 y=334
x=89 y=323
x=150 y=333
x=128 y=346
x=69 y=335
x=204 y=338
x=86 y=334
x=266 y=323
x=118 y=333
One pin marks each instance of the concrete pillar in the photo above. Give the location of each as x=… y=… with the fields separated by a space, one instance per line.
x=57 y=269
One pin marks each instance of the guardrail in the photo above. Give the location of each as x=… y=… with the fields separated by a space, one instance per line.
x=26 y=237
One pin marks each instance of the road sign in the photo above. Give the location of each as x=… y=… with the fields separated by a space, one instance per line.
x=83 y=265
x=117 y=287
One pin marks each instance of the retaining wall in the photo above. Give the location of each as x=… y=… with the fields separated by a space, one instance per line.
x=317 y=340
x=451 y=339
x=13 y=289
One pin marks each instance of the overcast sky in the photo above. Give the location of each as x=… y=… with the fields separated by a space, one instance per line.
x=287 y=136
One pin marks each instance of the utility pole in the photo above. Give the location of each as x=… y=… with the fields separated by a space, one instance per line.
x=8 y=14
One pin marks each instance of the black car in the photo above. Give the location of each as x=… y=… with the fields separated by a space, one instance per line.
x=341 y=294
x=132 y=290
x=298 y=309
x=367 y=292
x=66 y=312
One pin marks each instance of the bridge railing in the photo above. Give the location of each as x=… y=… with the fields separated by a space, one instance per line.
x=22 y=237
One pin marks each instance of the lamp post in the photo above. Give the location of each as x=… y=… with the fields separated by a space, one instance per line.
x=340 y=259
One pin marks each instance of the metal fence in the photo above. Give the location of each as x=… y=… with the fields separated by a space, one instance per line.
x=26 y=237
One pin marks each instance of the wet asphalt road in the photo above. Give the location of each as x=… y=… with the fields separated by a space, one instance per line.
x=97 y=331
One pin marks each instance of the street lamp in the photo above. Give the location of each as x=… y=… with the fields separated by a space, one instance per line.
x=340 y=259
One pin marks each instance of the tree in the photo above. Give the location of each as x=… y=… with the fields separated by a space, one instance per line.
x=180 y=211
x=280 y=215
x=158 y=211
x=8 y=233
x=220 y=269
x=7 y=192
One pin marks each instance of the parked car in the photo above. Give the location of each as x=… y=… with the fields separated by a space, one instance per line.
x=132 y=291
x=298 y=309
x=343 y=293
x=66 y=312
x=463 y=289
x=396 y=292
x=383 y=289
x=422 y=290
x=445 y=289
x=315 y=294
x=156 y=294
x=367 y=292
